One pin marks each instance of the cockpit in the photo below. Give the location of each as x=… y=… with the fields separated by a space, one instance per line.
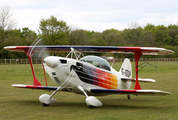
x=96 y=61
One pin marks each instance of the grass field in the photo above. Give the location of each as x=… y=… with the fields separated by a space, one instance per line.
x=24 y=104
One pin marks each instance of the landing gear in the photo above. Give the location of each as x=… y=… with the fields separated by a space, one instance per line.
x=46 y=100
x=45 y=105
x=128 y=96
x=91 y=101
x=91 y=106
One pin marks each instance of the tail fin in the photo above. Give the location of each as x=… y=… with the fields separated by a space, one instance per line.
x=126 y=69
x=125 y=72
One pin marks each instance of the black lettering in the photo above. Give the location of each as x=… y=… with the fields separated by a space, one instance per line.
x=125 y=72
x=122 y=71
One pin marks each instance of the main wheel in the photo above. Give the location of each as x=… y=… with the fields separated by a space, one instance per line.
x=91 y=106
x=45 y=105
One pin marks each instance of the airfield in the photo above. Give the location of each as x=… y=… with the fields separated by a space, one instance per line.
x=18 y=103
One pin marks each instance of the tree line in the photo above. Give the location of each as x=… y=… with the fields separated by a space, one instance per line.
x=56 y=32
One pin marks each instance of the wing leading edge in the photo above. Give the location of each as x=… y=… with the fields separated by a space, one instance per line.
x=130 y=91
x=113 y=49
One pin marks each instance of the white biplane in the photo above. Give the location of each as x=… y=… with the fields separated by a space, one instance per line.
x=89 y=75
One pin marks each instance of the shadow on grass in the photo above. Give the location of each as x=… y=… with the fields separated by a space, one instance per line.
x=29 y=103
x=107 y=104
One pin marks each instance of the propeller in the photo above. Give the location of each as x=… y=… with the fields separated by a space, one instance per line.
x=43 y=53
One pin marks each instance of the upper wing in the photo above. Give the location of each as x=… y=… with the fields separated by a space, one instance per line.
x=114 y=49
x=130 y=91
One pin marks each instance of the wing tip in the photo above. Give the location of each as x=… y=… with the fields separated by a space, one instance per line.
x=18 y=85
x=9 y=47
x=154 y=92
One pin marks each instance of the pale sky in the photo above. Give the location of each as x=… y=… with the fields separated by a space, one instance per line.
x=97 y=15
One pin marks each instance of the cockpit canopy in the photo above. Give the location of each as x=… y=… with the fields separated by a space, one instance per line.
x=96 y=61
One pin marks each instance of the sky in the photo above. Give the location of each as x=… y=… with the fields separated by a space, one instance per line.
x=96 y=15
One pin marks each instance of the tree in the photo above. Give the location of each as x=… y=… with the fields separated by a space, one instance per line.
x=27 y=36
x=133 y=25
x=149 y=39
x=78 y=37
x=176 y=40
x=173 y=33
x=111 y=37
x=148 y=27
x=161 y=34
x=97 y=39
x=173 y=26
x=53 y=31
x=19 y=37
x=7 y=23
x=134 y=37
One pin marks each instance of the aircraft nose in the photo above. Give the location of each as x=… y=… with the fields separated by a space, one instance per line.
x=51 y=61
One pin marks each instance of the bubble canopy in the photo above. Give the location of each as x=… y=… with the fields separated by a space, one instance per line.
x=96 y=61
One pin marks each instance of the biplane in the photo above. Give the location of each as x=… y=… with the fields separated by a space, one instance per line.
x=89 y=75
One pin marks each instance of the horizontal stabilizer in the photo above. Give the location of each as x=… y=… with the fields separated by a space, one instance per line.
x=139 y=79
x=130 y=91
x=34 y=87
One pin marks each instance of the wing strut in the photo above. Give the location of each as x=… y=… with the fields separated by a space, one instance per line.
x=137 y=57
x=35 y=81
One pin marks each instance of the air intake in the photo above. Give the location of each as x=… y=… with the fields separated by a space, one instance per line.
x=63 y=61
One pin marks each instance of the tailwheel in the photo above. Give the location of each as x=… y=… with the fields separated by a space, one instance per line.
x=128 y=96
x=45 y=105
x=91 y=106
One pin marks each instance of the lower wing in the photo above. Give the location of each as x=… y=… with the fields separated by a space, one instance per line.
x=130 y=91
x=34 y=87
x=139 y=79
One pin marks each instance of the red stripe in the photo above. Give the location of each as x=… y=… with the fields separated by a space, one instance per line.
x=32 y=86
x=132 y=91
x=22 y=47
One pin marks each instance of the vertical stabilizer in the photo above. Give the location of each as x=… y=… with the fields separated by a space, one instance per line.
x=125 y=72
x=126 y=69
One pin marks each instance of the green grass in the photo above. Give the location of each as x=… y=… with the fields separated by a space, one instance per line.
x=24 y=104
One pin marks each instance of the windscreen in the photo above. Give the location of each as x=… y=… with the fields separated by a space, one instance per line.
x=96 y=61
